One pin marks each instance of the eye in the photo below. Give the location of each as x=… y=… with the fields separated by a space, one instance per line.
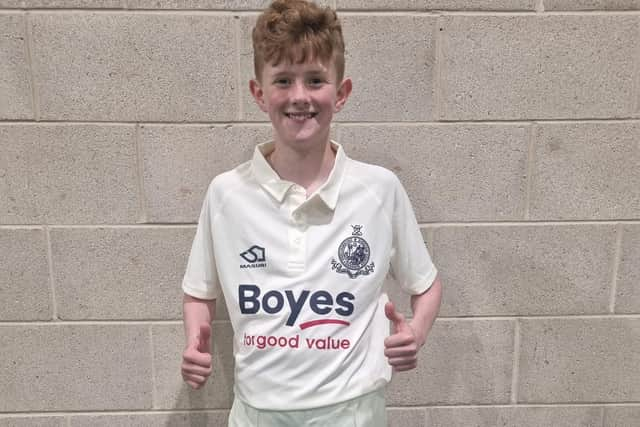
x=282 y=81
x=315 y=81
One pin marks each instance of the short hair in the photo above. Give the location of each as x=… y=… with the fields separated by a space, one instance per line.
x=297 y=31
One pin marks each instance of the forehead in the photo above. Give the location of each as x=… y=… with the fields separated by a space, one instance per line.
x=313 y=65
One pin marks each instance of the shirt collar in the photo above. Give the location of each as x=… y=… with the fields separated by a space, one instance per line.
x=278 y=188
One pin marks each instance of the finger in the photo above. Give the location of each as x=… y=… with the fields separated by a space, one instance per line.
x=399 y=322
x=194 y=380
x=193 y=385
x=190 y=368
x=196 y=358
x=408 y=351
x=204 y=339
x=392 y=314
x=403 y=368
x=198 y=379
x=399 y=340
x=401 y=361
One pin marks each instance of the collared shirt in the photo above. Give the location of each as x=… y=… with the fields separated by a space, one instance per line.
x=302 y=277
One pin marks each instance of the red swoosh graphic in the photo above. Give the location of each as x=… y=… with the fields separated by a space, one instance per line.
x=311 y=323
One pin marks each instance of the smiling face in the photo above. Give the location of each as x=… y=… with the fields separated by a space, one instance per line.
x=300 y=100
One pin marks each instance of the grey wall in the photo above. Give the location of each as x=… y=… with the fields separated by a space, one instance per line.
x=513 y=125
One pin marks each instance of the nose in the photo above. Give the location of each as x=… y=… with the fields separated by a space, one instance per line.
x=299 y=94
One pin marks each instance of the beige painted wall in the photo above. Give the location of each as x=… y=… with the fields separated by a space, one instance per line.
x=513 y=124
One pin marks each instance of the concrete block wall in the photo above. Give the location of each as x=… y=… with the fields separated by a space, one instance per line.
x=513 y=124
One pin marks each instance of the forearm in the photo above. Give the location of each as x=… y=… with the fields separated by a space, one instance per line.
x=196 y=312
x=425 y=308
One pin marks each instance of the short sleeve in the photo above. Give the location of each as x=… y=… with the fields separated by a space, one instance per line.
x=201 y=276
x=411 y=264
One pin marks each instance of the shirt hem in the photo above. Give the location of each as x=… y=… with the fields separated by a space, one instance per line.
x=378 y=387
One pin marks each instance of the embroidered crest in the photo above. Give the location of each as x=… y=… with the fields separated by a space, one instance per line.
x=353 y=255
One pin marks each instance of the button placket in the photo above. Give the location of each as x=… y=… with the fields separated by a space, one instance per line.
x=297 y=229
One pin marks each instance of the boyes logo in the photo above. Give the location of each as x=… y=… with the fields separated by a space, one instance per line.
x=252 y=300
x=254 y=257
x=335 y=310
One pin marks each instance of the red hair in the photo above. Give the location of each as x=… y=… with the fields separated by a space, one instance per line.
x=297 y=31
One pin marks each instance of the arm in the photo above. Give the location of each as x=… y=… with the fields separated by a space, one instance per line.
x=402 y=347
x=196 y=358
x=196 y=312
x=425 y=308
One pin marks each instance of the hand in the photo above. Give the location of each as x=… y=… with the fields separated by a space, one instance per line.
x=196 y=358
x=401 y=348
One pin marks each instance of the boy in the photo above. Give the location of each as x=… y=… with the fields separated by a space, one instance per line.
x=298 y=241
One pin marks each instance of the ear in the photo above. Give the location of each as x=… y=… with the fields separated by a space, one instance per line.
x=258 y=94
x=343 y=94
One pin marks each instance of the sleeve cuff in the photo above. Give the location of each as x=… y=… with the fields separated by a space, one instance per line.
x=198 y=292
x=424 y=284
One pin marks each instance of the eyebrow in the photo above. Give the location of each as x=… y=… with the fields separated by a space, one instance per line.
x=306 y=73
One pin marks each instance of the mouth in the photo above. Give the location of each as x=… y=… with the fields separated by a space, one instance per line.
x=300 y=116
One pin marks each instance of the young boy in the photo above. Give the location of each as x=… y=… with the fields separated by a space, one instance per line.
x=298 y=241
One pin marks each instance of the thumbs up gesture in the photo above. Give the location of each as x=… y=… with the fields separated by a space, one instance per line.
x=401 y=347
x=196 y=358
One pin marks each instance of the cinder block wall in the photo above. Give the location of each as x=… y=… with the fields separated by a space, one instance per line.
x=513 y=125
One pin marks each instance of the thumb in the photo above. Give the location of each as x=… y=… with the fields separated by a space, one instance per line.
x=393 y=315
x=204 y=339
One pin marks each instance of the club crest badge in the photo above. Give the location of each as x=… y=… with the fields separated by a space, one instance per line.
x=353 y=255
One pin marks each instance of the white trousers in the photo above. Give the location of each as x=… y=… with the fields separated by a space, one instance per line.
x=364 y=411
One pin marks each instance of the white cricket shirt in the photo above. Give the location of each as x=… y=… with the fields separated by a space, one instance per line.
x=302 y=277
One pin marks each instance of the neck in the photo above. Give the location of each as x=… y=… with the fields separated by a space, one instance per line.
x=308 y=168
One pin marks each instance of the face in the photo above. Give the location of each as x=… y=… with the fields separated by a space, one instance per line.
x=300 y=100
